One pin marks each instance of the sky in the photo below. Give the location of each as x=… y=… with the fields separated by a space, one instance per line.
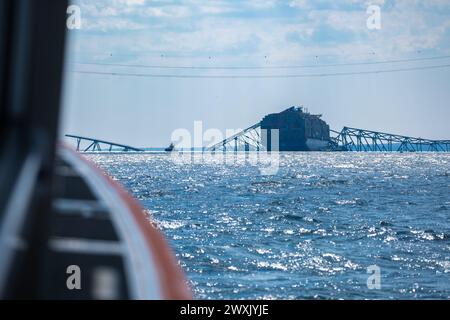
x=139 y=69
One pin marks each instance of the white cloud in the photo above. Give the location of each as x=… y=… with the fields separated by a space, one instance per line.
x=261 y=4
x=199 y=27
x=112 y=24
x=299 y=4
x=134 y=2
x=212 y=10
x=166 y=12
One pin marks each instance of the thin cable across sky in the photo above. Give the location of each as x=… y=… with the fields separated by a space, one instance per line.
x=145 y=66
x=281 y=76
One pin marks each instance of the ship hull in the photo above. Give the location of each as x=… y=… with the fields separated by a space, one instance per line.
x=316 y=145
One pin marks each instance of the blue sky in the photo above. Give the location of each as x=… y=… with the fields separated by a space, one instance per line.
x=144 y=111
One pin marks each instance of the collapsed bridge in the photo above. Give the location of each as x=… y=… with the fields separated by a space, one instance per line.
x=351 y=139
x=294 y=129
x=297 y=130
x=97 y=145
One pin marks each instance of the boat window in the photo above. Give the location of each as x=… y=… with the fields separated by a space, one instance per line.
x=205 y=88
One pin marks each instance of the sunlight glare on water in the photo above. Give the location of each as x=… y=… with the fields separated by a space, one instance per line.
x=310 y=231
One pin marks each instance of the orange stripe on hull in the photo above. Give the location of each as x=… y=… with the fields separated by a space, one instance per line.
x=172 y=281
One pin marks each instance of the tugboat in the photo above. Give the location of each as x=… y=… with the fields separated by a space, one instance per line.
x=170 y=148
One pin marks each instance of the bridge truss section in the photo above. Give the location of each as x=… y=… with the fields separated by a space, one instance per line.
x=353 y=139
x=86 y=144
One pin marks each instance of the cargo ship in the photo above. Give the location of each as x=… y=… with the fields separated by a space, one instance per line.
x=298 y=130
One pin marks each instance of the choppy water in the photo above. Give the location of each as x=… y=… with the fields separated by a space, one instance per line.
x=309 y=231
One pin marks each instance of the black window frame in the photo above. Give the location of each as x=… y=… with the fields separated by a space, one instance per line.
x=32 y=41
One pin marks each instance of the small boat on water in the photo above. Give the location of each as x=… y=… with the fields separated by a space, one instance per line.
x=170 y=148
